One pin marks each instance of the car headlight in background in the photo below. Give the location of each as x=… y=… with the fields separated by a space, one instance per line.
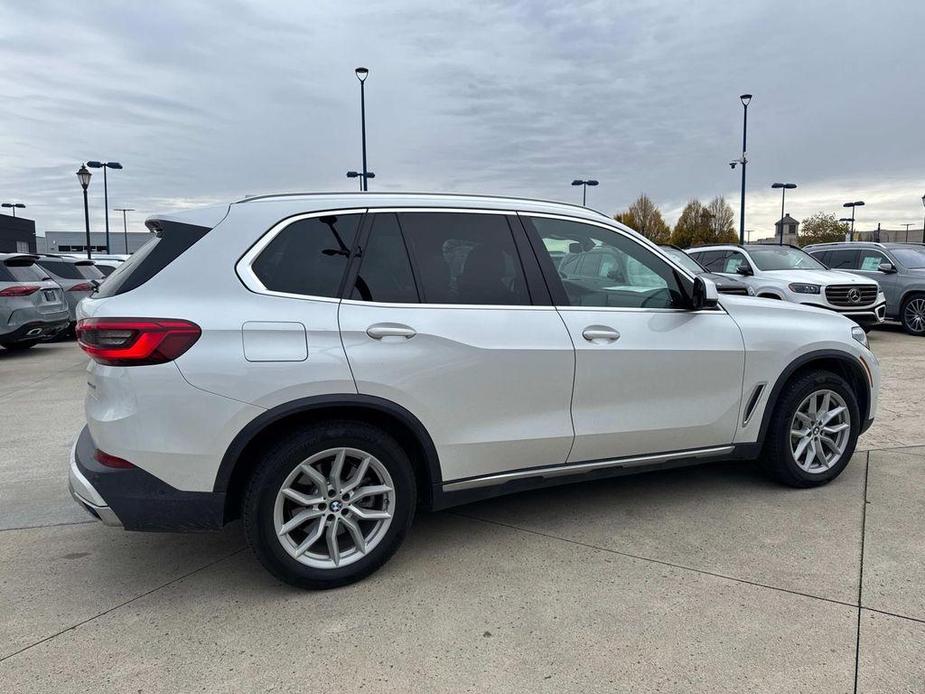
x=857 y=332
x=751 y=292
x=801 y=288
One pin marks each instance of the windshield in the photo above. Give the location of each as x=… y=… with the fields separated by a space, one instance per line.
x=683 y=259
x=783 y=258
x=912 y=258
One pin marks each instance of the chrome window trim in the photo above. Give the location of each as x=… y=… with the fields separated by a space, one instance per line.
x=571 y=468
x=244 y=266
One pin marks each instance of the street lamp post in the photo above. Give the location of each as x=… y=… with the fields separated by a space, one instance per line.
x=13 y=206
x=123 y=210
x=745 y=99
x=105 y=165
x=83 y=175
x=784 y=187
x=357 y=174
x=923 y=221
x=584 y=188
x=362 y=73
x=852 y=205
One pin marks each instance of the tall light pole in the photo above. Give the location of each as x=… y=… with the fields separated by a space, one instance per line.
x=784 y=187
x=362 y=73
x=357 y=174
x=83 y=175
x=13 y=206
x=584 y=188
x=923 y=221
x=123 y=210
x=745 y=99
x=105 y=165
x=852 y=205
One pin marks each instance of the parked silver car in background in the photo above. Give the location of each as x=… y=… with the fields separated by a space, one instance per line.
x=76 y=277
x=32 y=307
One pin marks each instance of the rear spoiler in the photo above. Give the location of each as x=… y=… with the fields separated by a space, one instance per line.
x=17 y=260
x=204 y=217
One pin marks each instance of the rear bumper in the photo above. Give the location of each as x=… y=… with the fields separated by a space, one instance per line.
x=36 y=330
x=135 y=499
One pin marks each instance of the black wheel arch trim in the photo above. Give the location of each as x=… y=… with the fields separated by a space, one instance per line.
x=848 y=359
x=330 y=403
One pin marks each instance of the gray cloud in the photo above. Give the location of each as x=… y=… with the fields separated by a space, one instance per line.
x=204 y=102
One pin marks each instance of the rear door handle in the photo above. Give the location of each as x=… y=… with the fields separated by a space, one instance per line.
x=380 y=331
x=600 y=334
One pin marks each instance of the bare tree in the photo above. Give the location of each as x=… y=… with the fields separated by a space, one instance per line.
x=644 y=216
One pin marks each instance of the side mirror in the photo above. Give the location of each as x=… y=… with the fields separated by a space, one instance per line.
x=744 y=270
x=705 y=294
x=886 y=267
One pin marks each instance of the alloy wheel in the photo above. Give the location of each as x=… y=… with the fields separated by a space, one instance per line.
x=819 y=431
x=914 y=315
x=334 y=508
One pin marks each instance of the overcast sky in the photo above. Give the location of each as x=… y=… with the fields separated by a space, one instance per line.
x=207 y=102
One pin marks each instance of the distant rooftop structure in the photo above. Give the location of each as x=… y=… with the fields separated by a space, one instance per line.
x=791 y=231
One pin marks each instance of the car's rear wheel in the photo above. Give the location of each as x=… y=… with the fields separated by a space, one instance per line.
x=813 y=431
x=912 y=314
x=328 y=505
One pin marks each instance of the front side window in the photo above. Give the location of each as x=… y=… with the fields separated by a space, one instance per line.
x=733 y=262
x=385 y=269
x=912 y=257
x=464 y=258
x=600 y=267
x=309 y=256
x=870 y=260
x=783 y=258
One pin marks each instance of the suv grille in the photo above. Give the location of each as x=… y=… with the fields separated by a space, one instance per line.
x=851 y=294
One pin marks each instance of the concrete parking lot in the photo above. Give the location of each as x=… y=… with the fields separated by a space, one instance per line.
x=703 y=579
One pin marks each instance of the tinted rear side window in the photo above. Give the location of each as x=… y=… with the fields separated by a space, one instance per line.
x=309 y=256
x=843 y=259
x=713 y=261
x=170 y=240
x=463 y=258
x=62 y=268
x=385 y=273
x=21 y=273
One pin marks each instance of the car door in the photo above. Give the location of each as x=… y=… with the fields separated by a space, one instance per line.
x=868 y=265
x=651 y=376
x=448 y=318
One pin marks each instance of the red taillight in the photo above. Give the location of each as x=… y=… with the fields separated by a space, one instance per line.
x=20 y=290
x=135 y=341
x=82 y=287
x=110 y=460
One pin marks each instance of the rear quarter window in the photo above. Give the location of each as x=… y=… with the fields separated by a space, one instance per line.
x=21 y=273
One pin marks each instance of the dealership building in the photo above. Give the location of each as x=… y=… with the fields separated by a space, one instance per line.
x=17 y=235
x=76 y=241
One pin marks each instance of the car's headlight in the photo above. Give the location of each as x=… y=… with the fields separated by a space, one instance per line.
x=751 y=292
x=857 y=332
x=801 y=288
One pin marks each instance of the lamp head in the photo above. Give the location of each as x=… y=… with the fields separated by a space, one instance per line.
x=353 y=174
x=592 y=182
x=746 y=98
x=362 y=73
x=577 y=182
x=83 y=175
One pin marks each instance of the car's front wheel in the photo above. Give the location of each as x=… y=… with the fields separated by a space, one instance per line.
x=912 y=314
x=813 y=431
x=329 y=504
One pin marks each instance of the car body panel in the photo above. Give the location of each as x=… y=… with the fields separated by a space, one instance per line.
x=34 y=316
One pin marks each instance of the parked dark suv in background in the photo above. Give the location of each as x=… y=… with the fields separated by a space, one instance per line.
x=899 y=268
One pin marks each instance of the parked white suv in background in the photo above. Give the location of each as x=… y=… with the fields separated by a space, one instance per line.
x=321 y=365
x=790 y=274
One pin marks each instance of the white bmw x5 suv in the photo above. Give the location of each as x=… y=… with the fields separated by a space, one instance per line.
x=322 y=365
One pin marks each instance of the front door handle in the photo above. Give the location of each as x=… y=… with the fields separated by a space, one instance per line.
x=600 y=334
x=380 y=331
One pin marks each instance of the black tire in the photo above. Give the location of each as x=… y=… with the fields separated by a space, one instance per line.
x=777 y=457
x=281 y=459
x=19 y=346
x=905 y=319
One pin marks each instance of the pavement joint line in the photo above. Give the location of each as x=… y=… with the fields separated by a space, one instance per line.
x=918 y=620
x=27 y=386
x=49 y=525
x=857 y=646
x=122 y=604
x=662 y=562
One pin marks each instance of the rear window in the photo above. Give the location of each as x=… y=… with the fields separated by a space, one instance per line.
x=90 y=272
x=63 y=268
x=21 y=273
x=169 y=241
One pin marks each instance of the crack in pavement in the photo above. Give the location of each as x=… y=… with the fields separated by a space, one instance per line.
x=857 y=644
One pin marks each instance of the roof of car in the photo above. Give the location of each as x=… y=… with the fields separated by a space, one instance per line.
x=18 y=256
x=52 y=256
x=875 y=244
x=211 y=216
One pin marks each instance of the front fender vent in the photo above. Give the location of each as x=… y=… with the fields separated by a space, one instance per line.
x=752 y=403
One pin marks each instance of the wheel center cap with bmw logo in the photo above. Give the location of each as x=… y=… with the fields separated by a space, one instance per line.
x=337 y=506
x=854 y=296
